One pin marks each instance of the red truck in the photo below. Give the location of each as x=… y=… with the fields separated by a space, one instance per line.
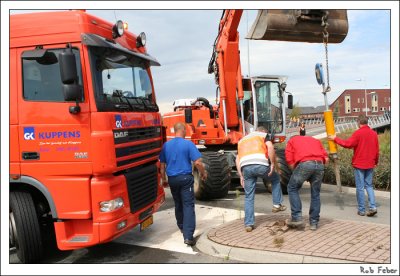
x=85 y=132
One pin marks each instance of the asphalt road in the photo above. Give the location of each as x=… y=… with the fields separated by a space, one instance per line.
x=162 y=243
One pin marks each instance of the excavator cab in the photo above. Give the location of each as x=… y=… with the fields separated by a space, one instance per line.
x=264 y=104
x=300 y=25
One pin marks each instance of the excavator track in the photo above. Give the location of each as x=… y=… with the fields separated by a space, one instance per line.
x=218 y=180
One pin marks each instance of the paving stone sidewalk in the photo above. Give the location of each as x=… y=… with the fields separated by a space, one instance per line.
x=334 y=239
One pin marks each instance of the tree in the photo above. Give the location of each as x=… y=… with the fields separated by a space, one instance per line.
x=336 y=108
x=296 y=111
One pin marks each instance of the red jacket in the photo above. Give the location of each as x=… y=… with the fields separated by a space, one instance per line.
x=304 y=148
x=365 y=143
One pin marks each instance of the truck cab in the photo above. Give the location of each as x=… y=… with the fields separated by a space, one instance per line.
x=85 y=131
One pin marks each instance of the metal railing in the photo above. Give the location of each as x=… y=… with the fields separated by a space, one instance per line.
x=317 y=126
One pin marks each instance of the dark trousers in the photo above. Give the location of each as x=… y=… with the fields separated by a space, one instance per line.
x=183 y=194
x=306 y=171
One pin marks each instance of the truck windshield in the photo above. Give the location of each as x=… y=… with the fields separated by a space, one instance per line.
x=269 y=106
x=121 y=82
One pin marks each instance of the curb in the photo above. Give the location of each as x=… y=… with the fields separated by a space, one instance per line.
x=211 y=248
x=349 y=190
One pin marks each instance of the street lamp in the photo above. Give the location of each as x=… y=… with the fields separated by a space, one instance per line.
x=365 y=95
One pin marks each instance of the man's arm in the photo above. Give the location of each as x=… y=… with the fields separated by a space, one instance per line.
x=200 y=166
x=289 y=155
x=349 y=143
x=271 y=155
x=239 y=171
x=162 y=172
x=324 y=154
x=377 y=151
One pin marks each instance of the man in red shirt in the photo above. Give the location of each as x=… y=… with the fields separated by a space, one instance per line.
x=365 y=143
x=306 y=156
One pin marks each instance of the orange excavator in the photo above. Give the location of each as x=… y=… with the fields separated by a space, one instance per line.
x=243 y=104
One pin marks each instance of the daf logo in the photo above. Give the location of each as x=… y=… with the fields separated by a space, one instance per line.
x=120 y=134
x=29 y=133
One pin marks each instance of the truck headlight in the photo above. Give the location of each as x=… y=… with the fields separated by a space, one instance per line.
x=141 y=40
x=118 y=29
x=111 y=205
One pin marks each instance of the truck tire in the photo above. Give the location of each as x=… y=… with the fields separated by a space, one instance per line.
x=24 y=228
x=284 y=172
x=218 y=180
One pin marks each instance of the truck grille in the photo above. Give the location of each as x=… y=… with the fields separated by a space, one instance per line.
x=134 y=135
x=121 y=152
x=142 y=186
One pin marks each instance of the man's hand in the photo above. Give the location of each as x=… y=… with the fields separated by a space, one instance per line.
x=271 y=170
x=204 y=175
x=331 y=137
x=242 y=181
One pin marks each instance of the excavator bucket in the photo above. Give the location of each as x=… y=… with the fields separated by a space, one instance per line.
x=300 y=25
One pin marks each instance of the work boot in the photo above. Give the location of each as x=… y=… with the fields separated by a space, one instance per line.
x=249 y=228
x=190 y=242
x=313 y=227
x=295 y=223
x=372 y=212
x=279 y=208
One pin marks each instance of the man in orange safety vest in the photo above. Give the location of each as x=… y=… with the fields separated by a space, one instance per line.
x=256 y=158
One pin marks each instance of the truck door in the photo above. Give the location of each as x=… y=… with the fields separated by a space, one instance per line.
x=54 y=143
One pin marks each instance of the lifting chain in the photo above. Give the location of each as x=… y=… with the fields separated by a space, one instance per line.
x=325 y=36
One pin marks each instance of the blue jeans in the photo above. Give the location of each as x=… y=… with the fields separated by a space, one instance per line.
x=250 y=175
x=183 y=194
x=364 y=181
x=306 y=171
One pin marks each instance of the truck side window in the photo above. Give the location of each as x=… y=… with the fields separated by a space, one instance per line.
x=42 y=79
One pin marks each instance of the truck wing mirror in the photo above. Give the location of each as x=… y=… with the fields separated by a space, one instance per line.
x=68 y=70
x=69 y=77
x=290 y=101
x=72 y=92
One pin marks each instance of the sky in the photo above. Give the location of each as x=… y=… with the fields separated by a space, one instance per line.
x=182 y=42
x=180 y=36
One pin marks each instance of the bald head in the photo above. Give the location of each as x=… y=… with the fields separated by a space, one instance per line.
x=180 y=129
x=262 y=129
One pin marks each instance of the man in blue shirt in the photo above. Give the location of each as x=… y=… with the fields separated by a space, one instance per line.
x=176 y=159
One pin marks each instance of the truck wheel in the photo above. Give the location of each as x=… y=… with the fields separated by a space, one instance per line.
x=24 y=228
x=219 y=177
x=284 y=172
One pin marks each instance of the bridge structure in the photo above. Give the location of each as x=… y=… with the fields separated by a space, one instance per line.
x=316 y=127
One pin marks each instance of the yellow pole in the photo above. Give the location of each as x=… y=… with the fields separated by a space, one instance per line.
x=330 y=130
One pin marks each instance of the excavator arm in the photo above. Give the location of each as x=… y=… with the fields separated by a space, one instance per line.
x=225 y=64
x=283 y=25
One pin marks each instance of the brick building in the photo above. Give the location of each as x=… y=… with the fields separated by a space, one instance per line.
x=351 y=102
